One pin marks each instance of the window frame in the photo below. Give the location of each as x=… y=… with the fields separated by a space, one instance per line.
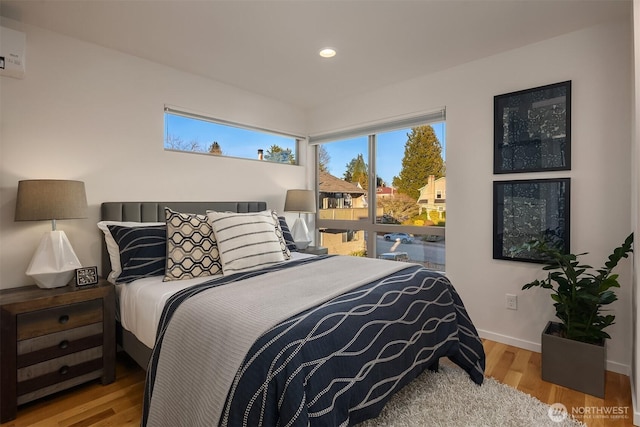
x=176 y=111
x=369 y=225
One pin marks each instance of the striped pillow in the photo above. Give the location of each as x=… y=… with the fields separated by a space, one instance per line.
x=112 y=247
x=142 y=251
x=280 y=233
x=286 y=234
x=246 y=241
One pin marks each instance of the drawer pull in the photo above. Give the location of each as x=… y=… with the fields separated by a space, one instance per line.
x=63 y=319
x=64 y=370
x=63 y=344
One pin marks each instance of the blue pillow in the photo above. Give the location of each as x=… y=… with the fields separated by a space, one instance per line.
x=286 y=233
x=143 y=251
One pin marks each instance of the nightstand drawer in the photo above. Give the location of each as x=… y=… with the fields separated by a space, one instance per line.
x=42 y=322
x=45 y=347
x=55 y=372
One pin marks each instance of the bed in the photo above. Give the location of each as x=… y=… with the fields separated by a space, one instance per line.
x=308 y=340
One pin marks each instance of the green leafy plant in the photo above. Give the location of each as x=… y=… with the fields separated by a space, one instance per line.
x=579 y=292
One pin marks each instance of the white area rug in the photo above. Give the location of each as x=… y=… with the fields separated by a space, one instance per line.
x=449 y=398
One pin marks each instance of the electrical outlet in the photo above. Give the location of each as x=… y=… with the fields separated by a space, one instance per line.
x=511 y=302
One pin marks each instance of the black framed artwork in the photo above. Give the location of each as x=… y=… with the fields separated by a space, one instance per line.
x=532 y=130
x=527 y=209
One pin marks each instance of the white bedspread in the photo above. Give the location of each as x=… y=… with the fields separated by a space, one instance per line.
x=142 y=301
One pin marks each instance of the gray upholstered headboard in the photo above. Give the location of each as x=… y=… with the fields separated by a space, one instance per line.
x=154 y=212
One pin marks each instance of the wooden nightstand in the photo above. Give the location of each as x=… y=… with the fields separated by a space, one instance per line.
x=314 y=250
x=53 y=339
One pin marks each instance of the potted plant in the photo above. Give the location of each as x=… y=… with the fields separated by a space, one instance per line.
x=573 y=350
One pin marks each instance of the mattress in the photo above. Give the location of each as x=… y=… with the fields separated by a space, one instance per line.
x=141 y=302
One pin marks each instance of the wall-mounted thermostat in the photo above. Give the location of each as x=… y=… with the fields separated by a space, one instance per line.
x=12 y=53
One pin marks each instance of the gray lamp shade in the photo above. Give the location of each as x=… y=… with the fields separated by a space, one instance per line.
x=300 y=201
x=48 y=199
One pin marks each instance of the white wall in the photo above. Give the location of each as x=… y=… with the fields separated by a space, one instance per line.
x=93 y=114
x=597 y=61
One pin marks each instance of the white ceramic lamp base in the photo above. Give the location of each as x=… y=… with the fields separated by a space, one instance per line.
x=300 y=233
x=54 y=263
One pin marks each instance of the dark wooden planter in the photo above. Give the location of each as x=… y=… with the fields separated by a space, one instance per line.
x=573 y=364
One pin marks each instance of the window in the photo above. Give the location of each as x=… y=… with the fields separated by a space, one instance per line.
x=343 y=182
x=388 y=182
x=199 y=134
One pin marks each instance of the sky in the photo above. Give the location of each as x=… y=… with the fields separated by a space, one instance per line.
x=390 y=151
x=237 y=142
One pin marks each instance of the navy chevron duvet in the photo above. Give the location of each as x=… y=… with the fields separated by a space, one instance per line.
x=335 y=363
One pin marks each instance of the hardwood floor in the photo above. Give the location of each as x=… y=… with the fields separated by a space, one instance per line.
x=521 y=369
x=119 y=403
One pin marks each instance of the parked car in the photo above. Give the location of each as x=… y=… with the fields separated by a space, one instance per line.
x=403 y=237
x=395 y=256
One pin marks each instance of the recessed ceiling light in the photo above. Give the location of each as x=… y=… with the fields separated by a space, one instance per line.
x=327 y=52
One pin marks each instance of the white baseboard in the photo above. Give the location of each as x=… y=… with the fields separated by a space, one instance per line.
x=505 y=339
x=619 y=368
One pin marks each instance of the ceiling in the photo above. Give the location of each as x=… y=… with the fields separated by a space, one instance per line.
x=271 y=47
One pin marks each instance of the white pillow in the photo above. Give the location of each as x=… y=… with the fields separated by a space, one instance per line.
x=112 y=247
x=286 y=250
x=246 y=241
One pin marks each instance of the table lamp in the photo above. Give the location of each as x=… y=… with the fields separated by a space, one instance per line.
x=301 y=201
x=54 y=262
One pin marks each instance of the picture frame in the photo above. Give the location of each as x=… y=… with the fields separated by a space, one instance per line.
x=532 y=130
x=528 y=209
x=86 y=276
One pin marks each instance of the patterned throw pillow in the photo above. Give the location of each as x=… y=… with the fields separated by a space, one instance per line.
x=280 y=233
x=286 y=234
x=143 y=251
x=246 y=241
x=112 y=247
x=192 y=250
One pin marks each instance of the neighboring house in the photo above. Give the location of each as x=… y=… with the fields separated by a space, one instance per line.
x=336 y=193
x=339 y=199
x=386 y=192
x=433 y=197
